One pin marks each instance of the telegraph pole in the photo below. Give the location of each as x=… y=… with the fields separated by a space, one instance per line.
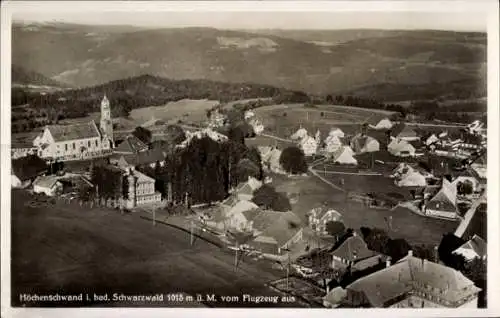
x=154 y=216
x=191 y=234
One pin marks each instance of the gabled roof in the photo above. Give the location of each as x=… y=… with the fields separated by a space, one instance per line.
x=284 y=227
x=412 y=273
x=353 y=249
x=477 y=244
x=447 y=193
x=131 y=145
x=402 y=130
x=400 y=145
x=74 y=131
x=28 y=167
x=344 y=155
x=359 y=141
x=142 y=178
x=241 y=207
x=45 y=181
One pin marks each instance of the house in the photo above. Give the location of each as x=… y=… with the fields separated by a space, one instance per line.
x=270 y=157
x=332 y=144
x=344 y=156
x=401 y=148
x=217 y=119
x=384 y=123
x=275 y=232
x=444 y=203
x=473 y=248
x=336 y=132
x=199 y=134
x=140 y=189
x=405 y=132
x=249 y=114
x=148 y=158
x=413 y=283
x=77 y=141
x=237 y=218
x=257 y=126
x=246 y=189
x=26 y=169
x=318 y=217
x=300 y=134
x=22 y=149
x=432 y=139
x=130 y=146
x=309 y=146
x=353 y=253
x=467 y=176
x=407 y=176
x=48 y=185
x=334 y=298
x=362 y=143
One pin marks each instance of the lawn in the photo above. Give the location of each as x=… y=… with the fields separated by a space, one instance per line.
x=59 y=247
x=405 y=224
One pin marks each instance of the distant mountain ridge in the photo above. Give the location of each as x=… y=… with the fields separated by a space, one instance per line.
x=25 y=77
x=359 y=60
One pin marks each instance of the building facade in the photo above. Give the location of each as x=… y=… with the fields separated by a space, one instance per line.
x=77 y=141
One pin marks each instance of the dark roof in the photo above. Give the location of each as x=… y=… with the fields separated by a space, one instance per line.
x=28 y=167
x=477 y=244
x=403 y=130
x=353 y=249
x=74 y=132
x=131 y=145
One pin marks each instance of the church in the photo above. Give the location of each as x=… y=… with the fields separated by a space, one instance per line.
x=77 y=141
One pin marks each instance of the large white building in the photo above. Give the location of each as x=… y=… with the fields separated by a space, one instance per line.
x=77 y=141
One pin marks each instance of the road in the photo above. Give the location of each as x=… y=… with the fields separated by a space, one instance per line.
x=66 y=247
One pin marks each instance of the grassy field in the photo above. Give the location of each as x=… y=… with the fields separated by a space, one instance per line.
x=284 y=120
x=187 y=110
x=405 y=224
x=67 y=248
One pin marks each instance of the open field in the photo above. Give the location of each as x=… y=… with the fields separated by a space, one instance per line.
x=405 y=224
x=187 y=110
x=66 y=247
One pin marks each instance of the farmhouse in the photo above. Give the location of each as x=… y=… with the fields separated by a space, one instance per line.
x=405 y=132
x=432 y=139
x=401 y=148
x=444 y=203
x=300 y=134
x=353 y=253
x=344 y=156
x=473 y=248
x=383 y=124
x=336 y=132
x=362 y=143
x=26 y=169
x=257 y=126
x=407 y=176
x=318 y=217
x=413 y=283
x=77 y=141
x=148 y=158
x=48 y=185
x=332 y=143
x=270 y=157
x=309 y=146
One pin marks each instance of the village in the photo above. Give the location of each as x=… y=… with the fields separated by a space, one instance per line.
x=341 y=208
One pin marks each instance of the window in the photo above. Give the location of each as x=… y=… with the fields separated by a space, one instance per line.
x=89 y=143
x=74 y=145
x=96 y=142
x=66 y=147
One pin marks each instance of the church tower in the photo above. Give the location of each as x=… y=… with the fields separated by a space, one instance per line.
x=106 y=124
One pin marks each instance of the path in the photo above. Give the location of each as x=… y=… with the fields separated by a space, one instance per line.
x=468 y=216
x=350 y=173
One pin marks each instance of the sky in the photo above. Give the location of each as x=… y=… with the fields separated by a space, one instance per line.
x=459 y=20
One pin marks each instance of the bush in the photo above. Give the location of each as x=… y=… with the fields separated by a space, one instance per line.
x=268 y=198
x=293 y=161
x=335 y=228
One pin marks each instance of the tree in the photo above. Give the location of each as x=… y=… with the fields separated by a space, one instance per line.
x=293 y=160
x=465 y=187
x=329 y=99
x=335 y=228
x=376 y=239
x=142 y=134
x=397 y=248
x=246 y=168
x=268 y=198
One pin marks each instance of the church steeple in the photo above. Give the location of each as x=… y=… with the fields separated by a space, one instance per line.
x=106 y=124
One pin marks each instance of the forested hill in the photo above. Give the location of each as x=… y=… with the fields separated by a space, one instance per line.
x=317 y=62
x=23 y=77
x=148 y=90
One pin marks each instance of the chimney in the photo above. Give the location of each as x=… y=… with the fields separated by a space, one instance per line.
x=410 y=253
